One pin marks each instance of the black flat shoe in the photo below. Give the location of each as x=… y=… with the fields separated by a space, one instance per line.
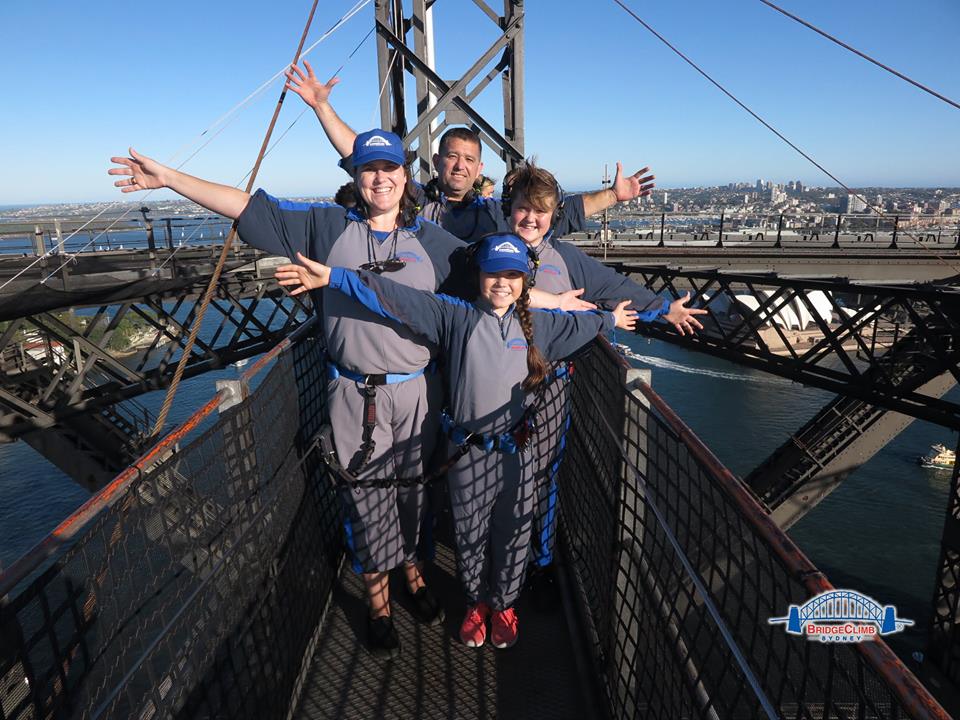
x=545 y=594
x=382 y=639
x=426 y=607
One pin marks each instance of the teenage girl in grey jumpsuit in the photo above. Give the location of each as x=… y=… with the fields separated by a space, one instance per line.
x=532 y=202
x=495 y=352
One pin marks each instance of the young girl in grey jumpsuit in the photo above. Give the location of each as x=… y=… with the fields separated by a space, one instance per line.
x=495 y=352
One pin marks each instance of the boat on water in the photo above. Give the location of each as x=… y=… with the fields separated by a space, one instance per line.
x=939 y=457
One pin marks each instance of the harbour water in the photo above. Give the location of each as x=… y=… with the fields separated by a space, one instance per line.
x=878 y=533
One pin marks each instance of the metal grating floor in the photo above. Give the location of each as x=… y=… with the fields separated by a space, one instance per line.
x=436 y=676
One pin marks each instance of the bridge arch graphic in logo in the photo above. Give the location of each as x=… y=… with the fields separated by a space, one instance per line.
x=842 y=616
x=516 y=344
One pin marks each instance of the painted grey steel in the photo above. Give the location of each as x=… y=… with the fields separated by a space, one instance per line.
x=853 y=263
x=436 y=97
x=854 y=432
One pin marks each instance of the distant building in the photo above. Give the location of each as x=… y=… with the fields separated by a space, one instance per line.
x=854 y=204
x=665 y=196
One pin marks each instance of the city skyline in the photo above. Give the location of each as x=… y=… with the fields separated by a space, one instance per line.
x=598 y=89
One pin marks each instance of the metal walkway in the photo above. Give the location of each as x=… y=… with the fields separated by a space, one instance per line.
x=436 y=676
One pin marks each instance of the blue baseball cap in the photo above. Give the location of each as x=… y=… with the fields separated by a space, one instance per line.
x=503 y=251
x=377 y=144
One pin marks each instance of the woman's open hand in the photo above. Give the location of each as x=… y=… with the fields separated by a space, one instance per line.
x=682 y=318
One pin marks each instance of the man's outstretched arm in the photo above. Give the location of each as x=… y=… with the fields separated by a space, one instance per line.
x=625 y=187
x=317 y=95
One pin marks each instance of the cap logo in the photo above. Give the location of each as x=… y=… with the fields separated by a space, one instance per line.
x=377 y=141
x=507 y=247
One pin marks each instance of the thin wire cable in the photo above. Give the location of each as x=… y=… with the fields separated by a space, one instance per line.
x=780 y=135
x=386 y=79
x=269 y=150
x=267 y=83
x=215 y=277
x=232 y=112
x=866 y=57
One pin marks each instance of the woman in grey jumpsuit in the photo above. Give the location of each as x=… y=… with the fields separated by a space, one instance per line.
x=368 y=357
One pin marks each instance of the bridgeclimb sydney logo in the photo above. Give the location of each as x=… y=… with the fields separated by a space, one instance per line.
x=507 y=247
x=845 y=616
x=377 y=141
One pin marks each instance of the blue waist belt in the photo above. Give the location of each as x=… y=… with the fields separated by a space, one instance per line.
x=334 y=371
x=459 y=435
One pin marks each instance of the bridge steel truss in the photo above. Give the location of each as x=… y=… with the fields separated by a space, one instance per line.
x=851 y=355
x=67 y=394
x=451 y=98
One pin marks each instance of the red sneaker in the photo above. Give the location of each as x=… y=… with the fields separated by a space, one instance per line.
x=473 y=631
x=504 y=628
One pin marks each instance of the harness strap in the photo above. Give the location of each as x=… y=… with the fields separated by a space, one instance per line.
x=510 y=442
x=334 y=371
x=369 y=424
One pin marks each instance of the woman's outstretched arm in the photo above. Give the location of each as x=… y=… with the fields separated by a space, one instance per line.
x=140 y=172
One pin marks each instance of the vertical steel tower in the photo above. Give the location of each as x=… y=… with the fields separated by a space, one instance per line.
x=438 y=102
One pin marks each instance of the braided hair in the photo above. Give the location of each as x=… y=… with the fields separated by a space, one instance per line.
x=537 y=366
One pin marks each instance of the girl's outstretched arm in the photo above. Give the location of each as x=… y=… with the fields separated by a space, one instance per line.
x=422 y=311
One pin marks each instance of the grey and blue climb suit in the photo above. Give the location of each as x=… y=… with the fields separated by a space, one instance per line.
x=562 y=267
x=485 y=360
x=475 y=216
x=382 y=524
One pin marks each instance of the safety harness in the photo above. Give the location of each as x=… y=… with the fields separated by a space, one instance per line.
x=515 y=440
x=369 y=385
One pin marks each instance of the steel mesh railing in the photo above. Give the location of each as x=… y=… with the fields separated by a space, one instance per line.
x=678 y=570
x=195 y=593
x=197 y=585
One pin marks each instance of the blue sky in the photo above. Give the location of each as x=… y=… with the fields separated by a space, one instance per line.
x=82 y=81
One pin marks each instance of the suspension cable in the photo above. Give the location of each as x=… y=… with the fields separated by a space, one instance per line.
x=215 y=277
x=721 y=88
x=276 y=142
x=866 y=57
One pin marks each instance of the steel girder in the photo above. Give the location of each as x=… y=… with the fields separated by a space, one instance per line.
x=919 y=323
x=452 y=99
x=55 y=366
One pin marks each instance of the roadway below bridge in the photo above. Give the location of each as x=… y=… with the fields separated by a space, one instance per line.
x=876 y=263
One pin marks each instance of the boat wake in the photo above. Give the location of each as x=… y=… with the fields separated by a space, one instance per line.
x=664 y=364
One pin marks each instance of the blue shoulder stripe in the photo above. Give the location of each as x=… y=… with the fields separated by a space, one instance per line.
x=451 y=300
x=297 y=206
x=566 y=312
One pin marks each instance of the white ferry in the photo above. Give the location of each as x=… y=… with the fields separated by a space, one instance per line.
x=938 y=457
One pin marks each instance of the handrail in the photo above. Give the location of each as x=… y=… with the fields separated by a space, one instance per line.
x=66 y=530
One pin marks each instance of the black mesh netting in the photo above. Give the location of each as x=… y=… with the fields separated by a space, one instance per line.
x=196 y=593
x=199 y=592
x=658 y=650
